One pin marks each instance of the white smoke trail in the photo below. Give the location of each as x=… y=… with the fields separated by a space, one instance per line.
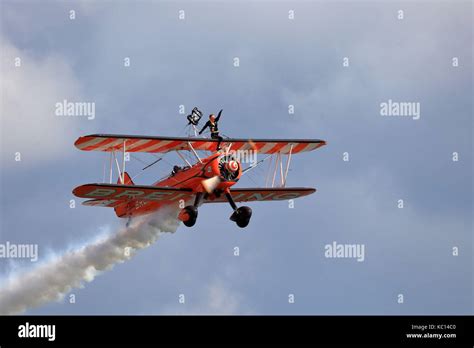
x=52 y=280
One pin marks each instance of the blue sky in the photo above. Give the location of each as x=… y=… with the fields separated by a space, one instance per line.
x=282 y=62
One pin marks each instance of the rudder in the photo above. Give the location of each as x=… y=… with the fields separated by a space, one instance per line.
x=128 y=180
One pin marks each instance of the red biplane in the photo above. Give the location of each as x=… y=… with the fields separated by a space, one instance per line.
x=208 y=180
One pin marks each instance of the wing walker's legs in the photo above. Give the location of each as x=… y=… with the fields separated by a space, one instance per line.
x=242 y=215
x=219 y=140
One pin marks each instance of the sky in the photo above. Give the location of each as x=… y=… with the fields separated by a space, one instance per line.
x=418 y=52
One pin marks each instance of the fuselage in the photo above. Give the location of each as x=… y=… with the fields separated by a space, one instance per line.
x=188 y=177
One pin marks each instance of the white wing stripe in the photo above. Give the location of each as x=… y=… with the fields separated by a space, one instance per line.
x=90 y=142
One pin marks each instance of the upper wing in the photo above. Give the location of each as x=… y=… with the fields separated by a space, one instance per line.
x=112 y=193
x=266 y=194
x=137 y=143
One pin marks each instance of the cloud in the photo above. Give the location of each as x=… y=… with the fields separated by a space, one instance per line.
x=213 y=298
x=29 y=94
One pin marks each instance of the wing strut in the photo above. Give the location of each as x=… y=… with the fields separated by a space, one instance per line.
x=184 y=159
x=279 y=163
x=118 y=166
x=277 y=159
x=123 y=167
x=288 y=164
x=194 y=151
x=110 y=174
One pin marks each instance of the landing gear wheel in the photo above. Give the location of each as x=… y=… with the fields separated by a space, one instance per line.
x=242 y=216
x=188 y=215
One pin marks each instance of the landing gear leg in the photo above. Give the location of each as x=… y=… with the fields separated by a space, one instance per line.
x=198 y=199
x=188 y=215
x=242 y=215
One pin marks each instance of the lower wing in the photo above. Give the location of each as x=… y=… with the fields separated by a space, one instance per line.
x=111 y=195
x=266 y=194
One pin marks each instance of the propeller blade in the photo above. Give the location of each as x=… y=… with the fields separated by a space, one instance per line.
x=211 y=184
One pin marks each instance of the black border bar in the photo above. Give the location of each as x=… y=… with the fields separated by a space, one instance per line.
x=139 y=330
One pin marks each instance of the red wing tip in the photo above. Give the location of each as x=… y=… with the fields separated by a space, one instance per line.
x=78 y=188
x=74 y=191
x=77 y=142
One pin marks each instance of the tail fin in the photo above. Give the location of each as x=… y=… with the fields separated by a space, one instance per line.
x=127 y=180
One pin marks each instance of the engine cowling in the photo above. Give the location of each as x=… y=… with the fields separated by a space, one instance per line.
x=229 y=168
x=226 y=167
x=222 y=173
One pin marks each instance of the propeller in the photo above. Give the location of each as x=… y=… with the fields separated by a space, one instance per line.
x=211 y=184
x=229 y=170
